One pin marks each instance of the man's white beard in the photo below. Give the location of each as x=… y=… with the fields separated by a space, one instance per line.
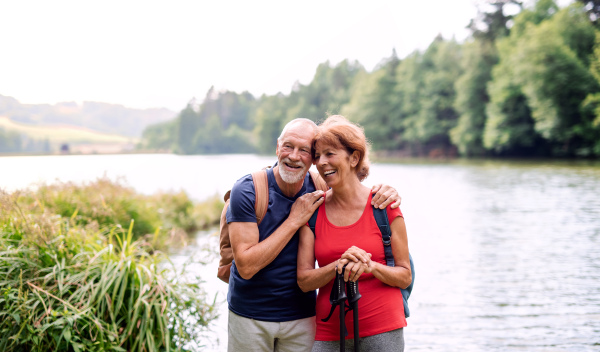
x=291 y=176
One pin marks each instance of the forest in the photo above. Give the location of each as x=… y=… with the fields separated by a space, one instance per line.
x=522 y=85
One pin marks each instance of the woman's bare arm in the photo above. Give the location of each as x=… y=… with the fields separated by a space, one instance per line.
x=309 y=278
x=400 y=275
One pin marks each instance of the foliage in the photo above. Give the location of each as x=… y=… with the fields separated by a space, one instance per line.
x=159 y=136
x=546 y=70
x=220 y=124
x=522 y=84
x=73 y=285
x=479 y=57
x=105 y=203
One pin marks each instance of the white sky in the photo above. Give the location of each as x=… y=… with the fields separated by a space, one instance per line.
x=148 y=53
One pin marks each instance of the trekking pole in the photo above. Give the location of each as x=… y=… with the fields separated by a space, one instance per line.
x=343 y=315
x=338 y=297
x=342 y=326
x=353 y=297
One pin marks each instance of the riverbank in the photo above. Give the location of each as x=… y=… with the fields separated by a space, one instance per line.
x=84 y=267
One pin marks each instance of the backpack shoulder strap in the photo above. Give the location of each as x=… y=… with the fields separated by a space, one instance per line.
x=261 y=192
x=386 y=234
x=312 y=222
x=318 y=181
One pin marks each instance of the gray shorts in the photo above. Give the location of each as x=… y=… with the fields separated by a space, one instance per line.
x=387 y=341
x=246 y=334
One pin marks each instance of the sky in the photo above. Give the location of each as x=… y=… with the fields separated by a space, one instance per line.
x=147 y=54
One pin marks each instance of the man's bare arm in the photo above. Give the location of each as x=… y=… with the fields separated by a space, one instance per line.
x=250 y=255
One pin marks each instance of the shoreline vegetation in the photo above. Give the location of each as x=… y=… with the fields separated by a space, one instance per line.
x=86 y=267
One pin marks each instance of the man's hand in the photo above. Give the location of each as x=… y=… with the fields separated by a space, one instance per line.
x=384 y=195
x=305 y=206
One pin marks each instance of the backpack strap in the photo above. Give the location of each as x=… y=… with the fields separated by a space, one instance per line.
x=312 y=222
x=261 y=192
x=386 y=236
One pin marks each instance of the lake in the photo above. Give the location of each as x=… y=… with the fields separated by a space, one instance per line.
x=507 y=253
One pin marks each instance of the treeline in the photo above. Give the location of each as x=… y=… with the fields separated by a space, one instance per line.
x=14 y=142
x=522 y=85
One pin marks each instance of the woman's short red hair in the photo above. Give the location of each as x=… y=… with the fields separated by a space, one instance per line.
x=338 y=132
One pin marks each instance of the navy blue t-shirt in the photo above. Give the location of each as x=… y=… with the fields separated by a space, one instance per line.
x=273 y=293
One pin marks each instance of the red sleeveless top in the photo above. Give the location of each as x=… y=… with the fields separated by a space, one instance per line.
x=380 y=308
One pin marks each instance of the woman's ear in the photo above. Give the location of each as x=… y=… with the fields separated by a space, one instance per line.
x=354 y=158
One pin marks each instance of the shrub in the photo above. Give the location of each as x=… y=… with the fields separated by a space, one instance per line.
x=81 y=282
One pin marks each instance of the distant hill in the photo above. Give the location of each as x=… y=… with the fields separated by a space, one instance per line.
x=100 y=117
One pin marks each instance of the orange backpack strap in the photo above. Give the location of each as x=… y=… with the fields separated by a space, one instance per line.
x=261 y=193
x=318 y=181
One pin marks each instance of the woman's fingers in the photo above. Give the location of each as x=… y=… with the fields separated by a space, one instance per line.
x=353 y=271
x=356 y=254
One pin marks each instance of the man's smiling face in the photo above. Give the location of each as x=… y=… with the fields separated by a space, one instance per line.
x=294 y=152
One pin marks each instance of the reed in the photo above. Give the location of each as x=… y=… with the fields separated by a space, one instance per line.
x=85 y=282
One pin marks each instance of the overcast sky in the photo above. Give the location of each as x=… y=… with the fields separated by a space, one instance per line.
x=148 y=53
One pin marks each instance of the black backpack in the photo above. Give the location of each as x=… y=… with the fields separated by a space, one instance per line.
x=386 y=236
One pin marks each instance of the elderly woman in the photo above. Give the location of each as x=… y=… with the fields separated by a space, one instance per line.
x=347 y=235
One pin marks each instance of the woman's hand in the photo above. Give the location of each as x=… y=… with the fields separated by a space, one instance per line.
x=355 y=254
x=356 y=261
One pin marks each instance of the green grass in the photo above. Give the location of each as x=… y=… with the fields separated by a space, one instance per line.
x=80 y=272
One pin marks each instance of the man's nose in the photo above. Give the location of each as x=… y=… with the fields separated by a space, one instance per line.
x=295 y=154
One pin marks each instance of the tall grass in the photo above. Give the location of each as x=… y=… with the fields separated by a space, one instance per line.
x=85 y=282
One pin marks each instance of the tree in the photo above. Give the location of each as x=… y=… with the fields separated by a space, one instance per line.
x=544 y=68
x=491 y=25
x=270 y=116
x=188 y=123
x=326 y=93
x=593 y=9
x=427 y=95
x=479 y=58
x=379 y=109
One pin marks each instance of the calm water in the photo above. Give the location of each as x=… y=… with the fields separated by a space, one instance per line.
x=507 y=254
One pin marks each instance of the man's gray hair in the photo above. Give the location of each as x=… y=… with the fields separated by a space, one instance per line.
x=301 y=120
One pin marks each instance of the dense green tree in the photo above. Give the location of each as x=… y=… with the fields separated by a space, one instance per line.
x=213 y=139
x=380 y=107
x=161 y=136
x=188 y=123
x=270 y=117
x=325 y=95
x=590 y=125
x=547 y=65
x=479 y=57
x=427 y=123
x=231 y=107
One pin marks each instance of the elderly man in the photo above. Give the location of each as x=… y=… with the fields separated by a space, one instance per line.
x=267 y=309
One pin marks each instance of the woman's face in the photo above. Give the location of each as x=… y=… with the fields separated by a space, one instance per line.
x=334 y=164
